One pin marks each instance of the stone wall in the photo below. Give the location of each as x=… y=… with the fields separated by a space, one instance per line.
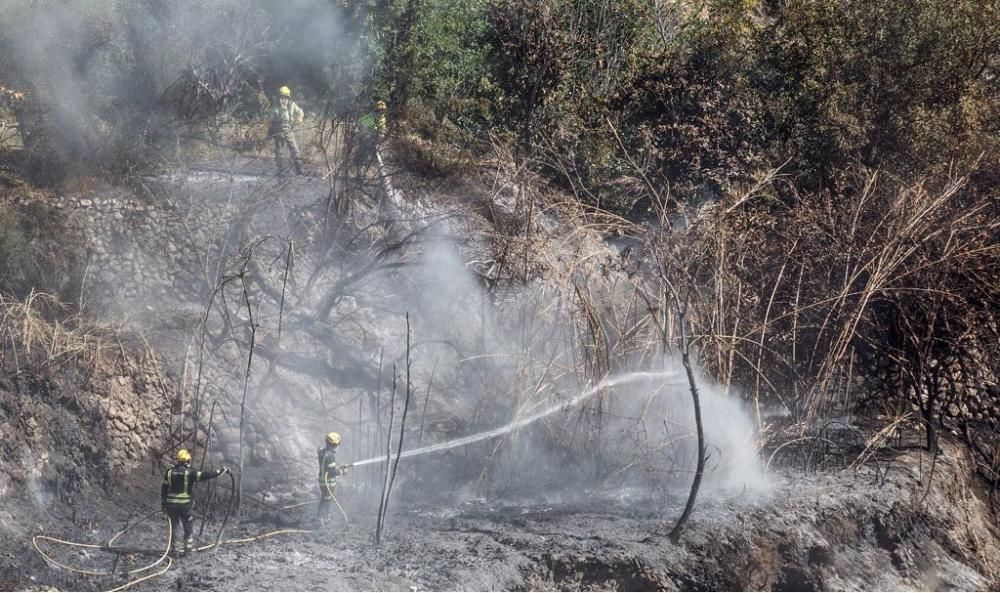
x=965 y=389
x=91 y=422
x=153 y=256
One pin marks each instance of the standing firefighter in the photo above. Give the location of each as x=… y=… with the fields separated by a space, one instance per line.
x=175 y=494
x=374 y=127
x=375 y=123
x=328 y=472
x=285 y=114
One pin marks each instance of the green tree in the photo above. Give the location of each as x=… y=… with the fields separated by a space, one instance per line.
x=890 y=84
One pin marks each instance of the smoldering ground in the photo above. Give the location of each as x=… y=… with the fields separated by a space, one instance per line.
x=111 y=76
x=478 y=362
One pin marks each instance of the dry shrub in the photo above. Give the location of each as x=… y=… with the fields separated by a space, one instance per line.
x=789 y=295
x=40 y=331
x=29 y=259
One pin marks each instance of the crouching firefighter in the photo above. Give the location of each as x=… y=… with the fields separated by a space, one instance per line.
x=175 y=495
x=328 y=473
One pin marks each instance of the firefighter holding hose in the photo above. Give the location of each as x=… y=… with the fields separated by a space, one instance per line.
x=175 y=494
x=328 y=472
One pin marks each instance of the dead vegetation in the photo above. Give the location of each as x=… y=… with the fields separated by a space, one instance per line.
x=851 y=304
x=41 y=332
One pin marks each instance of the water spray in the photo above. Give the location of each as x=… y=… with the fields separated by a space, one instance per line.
x=515 y=425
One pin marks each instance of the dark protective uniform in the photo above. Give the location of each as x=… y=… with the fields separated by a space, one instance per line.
x=328 y=472
x=175 y=496
x=283 y=119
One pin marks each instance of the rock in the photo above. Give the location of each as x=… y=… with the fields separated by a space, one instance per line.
x=230 y=354
x=229 y=435
x=262 y=454
x=251 y=481
x=231 y=452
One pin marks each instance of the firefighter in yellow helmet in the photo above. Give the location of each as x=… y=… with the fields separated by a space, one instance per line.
x=328 y=472
x=285 y=115
x=377 y=123
x=175 y=495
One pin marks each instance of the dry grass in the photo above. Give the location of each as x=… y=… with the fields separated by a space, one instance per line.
x=786 y=292
x=794 y=296
x=40 y=331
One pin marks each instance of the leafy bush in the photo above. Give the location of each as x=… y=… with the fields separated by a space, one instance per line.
x=894 y=84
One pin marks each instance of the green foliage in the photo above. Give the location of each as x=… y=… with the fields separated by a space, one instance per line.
x=428 y=54
x=450 y=67
x=694 y=95
x=883 y=83
x=558 y=62
x=701 y=96
x=696 y=119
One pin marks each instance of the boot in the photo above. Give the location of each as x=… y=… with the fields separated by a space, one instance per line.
x=188 y=545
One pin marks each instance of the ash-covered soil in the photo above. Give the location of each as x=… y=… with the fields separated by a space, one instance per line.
x=904 y=523
x=834 y=531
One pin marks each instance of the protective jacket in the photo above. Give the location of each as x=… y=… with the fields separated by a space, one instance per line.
x=177 y=482
x=283 y=118
x=327 y=465
x=375 y=124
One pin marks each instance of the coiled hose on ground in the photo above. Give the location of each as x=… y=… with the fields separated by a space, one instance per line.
x=165 y=554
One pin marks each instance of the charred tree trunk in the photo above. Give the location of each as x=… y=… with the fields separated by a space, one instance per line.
x=675 y=533
x=380 y=516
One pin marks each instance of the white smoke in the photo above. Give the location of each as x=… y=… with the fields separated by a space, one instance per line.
x=507 y=363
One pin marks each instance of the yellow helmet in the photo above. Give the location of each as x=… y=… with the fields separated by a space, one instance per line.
x=184 y=456
x=333 y=439
x=285 y=92
x=380 y=105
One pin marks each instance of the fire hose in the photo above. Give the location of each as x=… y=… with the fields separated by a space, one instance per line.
x=165 y=555
x=329 y=489
x=109 y=547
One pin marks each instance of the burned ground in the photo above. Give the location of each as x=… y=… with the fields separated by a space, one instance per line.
x=842 y=530
x=85 y=440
